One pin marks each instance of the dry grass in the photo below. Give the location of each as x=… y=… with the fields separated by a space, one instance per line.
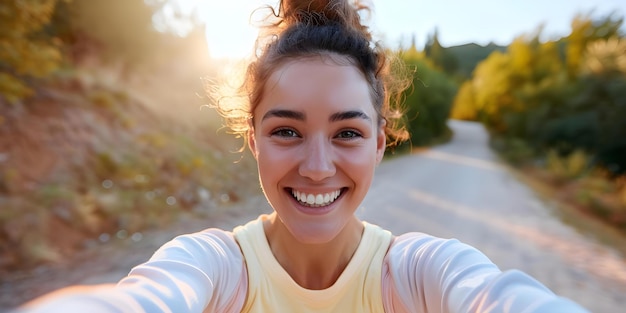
x=593 y=203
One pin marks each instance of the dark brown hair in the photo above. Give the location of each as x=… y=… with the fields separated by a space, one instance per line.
x=308 y=28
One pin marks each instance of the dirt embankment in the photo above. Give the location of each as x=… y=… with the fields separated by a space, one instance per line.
x=88 y=159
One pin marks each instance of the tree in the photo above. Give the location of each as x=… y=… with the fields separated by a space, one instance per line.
x=584 y=31
x=464 y=107
x=605 y=58
x=440 y=56
x=25 y=53
x=492 y=88
x=533 y=98
x=428 y=103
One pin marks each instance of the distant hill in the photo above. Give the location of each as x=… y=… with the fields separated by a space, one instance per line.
x=469 y=55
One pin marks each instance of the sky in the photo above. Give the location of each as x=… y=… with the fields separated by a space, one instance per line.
x=395 y=22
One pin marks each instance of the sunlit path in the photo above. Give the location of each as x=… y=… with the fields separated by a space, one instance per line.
x=461 y=190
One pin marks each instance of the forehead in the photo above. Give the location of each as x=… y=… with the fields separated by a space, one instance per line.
x=317 y=82
x=315 y=67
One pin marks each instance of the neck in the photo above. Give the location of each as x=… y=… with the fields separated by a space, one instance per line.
x=313 y=266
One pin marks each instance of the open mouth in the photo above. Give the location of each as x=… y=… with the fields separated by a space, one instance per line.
x=316 y=200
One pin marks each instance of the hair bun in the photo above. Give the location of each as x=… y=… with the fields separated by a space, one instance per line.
x=344 y=12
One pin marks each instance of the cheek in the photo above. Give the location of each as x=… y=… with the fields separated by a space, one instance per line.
x=272 y=161
x=359 y=161
x=268 y=153
x=266 y=161
x=269 y=175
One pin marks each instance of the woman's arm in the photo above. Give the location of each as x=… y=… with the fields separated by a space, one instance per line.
x=438 y=275
x=201 y=272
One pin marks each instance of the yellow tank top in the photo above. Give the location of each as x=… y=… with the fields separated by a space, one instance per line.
x=271 y=289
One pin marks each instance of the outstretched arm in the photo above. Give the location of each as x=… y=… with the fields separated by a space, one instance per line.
x=438 y=275
x=201 y=272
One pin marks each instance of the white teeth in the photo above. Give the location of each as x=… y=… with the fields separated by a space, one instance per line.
x=316 y=200
x=319 y=200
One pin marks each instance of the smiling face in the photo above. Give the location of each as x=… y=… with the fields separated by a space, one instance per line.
x=317 y=141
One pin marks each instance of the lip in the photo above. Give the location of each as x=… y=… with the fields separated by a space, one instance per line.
x=322 y=210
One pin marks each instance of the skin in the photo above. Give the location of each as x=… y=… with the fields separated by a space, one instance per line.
x=316 y=132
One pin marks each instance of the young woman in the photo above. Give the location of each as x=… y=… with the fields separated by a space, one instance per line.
x=317 y=121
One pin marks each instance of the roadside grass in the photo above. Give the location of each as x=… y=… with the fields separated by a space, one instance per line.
x=586 y=197
x=582 y=216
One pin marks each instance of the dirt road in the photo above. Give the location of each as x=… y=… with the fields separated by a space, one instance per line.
x=460 y=190
x=455 y=190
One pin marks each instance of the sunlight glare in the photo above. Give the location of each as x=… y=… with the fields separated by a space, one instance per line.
x=229 y=32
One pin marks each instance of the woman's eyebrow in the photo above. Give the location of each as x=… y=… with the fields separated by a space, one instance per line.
x=284 y=114
x=340 y=116
x=300 y=116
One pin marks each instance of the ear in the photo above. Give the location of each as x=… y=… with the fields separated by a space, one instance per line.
x=252 y=140
x=381 y=143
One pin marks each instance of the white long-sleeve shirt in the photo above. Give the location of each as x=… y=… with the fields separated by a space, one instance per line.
x=208 y=272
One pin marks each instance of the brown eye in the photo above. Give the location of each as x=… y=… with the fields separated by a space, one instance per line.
x=349 y=134
x=285 y=132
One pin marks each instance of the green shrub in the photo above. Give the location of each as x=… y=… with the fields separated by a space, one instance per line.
x=514 y=150
x=428 y=102
x=551 y=100
x=569 y=166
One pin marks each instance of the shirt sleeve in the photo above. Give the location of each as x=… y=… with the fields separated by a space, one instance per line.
x=422 y=273
x=201 y=272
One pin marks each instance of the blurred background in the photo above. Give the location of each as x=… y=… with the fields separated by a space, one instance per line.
x=106 y=130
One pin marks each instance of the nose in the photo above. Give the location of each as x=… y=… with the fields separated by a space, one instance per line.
x=317 y=161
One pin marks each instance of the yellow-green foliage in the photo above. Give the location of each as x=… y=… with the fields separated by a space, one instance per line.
x=24 y=52
x=12 y=88
x=494 y=88
x=605 y=57
x=584 y=32
x=498 y=80
x=569 y=166
x=492 y=84
x=464 y=107
x=514 y=150
x=564 y=95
